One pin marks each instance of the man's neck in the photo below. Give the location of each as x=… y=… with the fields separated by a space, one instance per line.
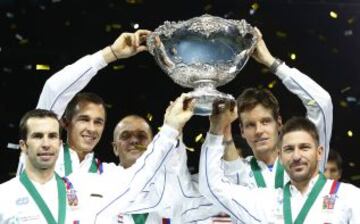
x=40 y=176
x=303 y=185
x=126 y=165
x=81 y=155
x=268 y=158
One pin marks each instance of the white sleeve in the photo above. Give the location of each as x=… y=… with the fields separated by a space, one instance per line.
x=242 y=204
x=186 y=203
x=353 y=202
x=61 y=87
x=138 y=176
x=235 y=170
x=317 y=101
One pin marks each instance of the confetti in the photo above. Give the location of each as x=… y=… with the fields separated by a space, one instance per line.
x=345 y=89
x=293 y=56
x=13 y=146
x=198 y=137
x=118 y=67
x=272 y=84
x=42 y=67
x=149 y=117
x=333 y=14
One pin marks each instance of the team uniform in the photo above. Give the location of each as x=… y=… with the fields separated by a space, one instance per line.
x=93 y=198
x=319 y=110
x=57 y=92
x=334 y=202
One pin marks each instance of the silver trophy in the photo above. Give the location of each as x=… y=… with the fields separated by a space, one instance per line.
x=203 y=53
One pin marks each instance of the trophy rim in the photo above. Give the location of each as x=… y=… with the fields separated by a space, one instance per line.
x=199 y=26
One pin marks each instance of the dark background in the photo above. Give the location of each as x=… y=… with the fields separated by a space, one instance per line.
x=58 y=32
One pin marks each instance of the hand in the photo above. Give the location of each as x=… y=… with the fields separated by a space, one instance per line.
x=129 y=44
x=261 y=53
x=126 y=45
x=224 y=113
x=179 y=112
x=162 y=54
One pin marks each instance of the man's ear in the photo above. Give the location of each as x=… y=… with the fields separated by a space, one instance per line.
x=241 y=130
x=64 y=123
x=320 y=151
x=23 y=146
x=279 y=122
x=115 y=149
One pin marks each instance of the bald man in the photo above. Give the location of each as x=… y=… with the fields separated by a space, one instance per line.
x=130 y=138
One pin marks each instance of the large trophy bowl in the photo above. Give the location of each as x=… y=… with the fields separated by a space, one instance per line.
x=203 y=53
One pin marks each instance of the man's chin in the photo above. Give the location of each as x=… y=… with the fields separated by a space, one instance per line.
x=262 y=149
x=299 y=176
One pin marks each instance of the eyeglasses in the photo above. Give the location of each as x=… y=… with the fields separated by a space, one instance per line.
x=140 y=135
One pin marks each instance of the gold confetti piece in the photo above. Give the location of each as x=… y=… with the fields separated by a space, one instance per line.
x=343 y=103
x=149 y=117
x=159 y=128
x=116 y=26
x=23 y=41
x=293 y=56
x=355 y=177
x=311 y=103
x=198 y=137
x=190 y=149
x=118 y=67
x=349 y=133
x=272 y=84
x=134 y=1
x=333 y=15
x=281 y=34
x=255 y=6
x=42 y=67
x=107 y=28
x=351 y=20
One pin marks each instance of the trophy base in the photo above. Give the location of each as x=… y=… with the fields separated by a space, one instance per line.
x=205 y=99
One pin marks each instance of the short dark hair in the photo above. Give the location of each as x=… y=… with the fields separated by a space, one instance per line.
x=36 y=113
x=299 y=124
x=81 y=98
x=251 y=97
x=335 y=157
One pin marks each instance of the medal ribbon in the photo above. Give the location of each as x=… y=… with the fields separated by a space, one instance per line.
x=140 y=218
x=24 y=179
x=94 y=167
x=260 y=182
x=314 y=193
